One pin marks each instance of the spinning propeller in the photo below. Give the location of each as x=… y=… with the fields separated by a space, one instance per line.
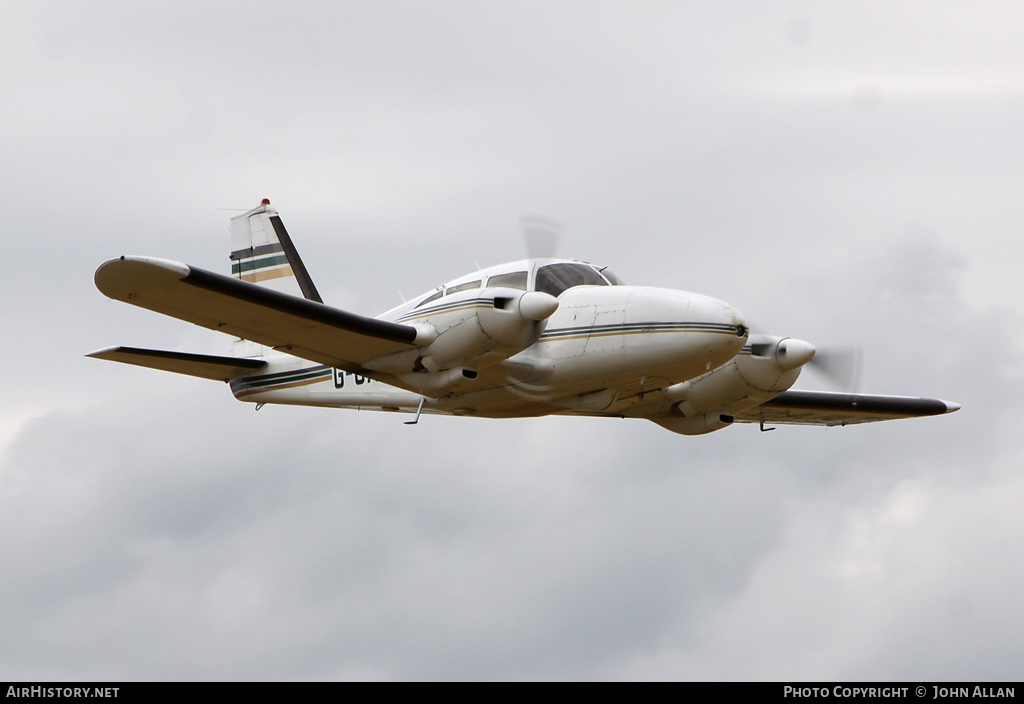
x=841 y=366
x=541 y=235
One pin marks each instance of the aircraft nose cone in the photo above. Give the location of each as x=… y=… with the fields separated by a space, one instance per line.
x=738 y=321
x=719 y=313
x=722 y=330
x=682 y=331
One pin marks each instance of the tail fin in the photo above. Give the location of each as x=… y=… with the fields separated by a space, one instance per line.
x=262 y=253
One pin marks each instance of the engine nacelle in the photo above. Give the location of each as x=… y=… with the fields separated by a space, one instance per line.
x=774 y=362
x=503 y=323
x=514 y=321
x=702 y=405
x=471 y=331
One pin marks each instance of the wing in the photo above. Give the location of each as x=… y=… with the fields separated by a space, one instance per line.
x=202 y=365
x=300 y=327
x=826 y=408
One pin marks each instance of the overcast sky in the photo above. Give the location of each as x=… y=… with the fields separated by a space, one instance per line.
x=841 y=172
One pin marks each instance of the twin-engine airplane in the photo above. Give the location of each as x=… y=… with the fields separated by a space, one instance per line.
x=529 y=338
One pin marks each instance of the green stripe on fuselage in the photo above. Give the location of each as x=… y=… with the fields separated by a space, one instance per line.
x=449 y=307
x=629 y=328
x=303 y=375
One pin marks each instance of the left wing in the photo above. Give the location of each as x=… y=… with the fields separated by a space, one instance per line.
x=827 y=408
x=298 y=326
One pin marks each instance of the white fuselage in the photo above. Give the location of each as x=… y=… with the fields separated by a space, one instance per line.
x=605 y=350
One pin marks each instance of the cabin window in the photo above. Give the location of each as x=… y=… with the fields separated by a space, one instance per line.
x=514 y=280
x=428 y=299
x=462 y=287
x=556 y=278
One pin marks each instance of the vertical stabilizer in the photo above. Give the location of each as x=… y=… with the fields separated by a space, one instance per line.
x=262 y=253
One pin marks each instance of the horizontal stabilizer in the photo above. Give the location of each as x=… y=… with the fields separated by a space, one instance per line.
x=298 y=326
x=202 y=365
x=828 y=408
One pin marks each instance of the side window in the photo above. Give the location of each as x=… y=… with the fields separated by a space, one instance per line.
x=462 y=287
x=514 y=280
x=428 y=299
x=556 y=278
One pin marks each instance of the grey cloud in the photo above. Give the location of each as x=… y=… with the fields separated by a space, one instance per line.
x=423 y=569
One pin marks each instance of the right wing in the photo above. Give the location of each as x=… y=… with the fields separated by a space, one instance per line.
x=828 y=408
x=294 y=325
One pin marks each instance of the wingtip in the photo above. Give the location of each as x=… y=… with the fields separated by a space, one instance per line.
x=177 y=268
x=103 y=353
x=123 y=277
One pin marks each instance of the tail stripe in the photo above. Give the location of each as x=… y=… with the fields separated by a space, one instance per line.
x=252 y=265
